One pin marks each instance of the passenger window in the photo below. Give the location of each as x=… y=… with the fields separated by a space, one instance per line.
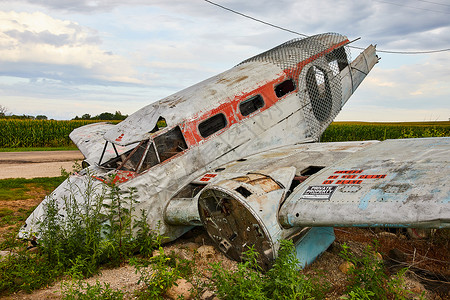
x=170 y=144
x=251 y=105
x=284 y=88
x=212 y=125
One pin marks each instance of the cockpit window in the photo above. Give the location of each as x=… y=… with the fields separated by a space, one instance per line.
x=150 y=160
x=148 y=154
x=170 y=143
x=117 y=161
x=128 y=161
x=131 y=163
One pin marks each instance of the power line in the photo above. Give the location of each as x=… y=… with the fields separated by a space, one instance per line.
x=413 y=7
x=254 y=19
x=436 y=3
x=406 y=52
x=304 y=35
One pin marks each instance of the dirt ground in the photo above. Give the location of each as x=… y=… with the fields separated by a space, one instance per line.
x=328 y=264
x=37 y=163
x=428 y=259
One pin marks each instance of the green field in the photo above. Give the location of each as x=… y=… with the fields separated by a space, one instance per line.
x=356 y=131
x=20 y=135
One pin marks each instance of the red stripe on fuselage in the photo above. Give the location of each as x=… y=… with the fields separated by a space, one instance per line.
x=230 y=108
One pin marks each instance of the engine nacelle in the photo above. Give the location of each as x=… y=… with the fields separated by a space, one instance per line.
x=242 y=212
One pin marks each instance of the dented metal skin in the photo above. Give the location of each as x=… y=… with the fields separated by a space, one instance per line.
x=262 y=192
x=396 y=183
x=231 y=153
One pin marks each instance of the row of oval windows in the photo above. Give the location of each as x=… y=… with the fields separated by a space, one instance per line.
x=246 y=107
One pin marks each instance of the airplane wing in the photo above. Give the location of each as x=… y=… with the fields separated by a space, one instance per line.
x=284 y=165
x=300 y=192
x=398 y=183
x=394 y=183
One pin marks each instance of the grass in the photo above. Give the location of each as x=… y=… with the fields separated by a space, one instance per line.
x=27 y=191
x=30 y=149
x=19 y=188
x=9 y=217
x=90 y=235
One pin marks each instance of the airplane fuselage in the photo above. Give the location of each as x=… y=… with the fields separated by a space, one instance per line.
x=285 y=96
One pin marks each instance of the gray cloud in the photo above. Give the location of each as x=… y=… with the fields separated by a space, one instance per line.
x=44 y=37
x=391 y=25
x=67 y=74
x=173 y=44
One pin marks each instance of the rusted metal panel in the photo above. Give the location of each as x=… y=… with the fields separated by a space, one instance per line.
x=398 y=183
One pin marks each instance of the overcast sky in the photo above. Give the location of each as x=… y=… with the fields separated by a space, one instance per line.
x=63 y=58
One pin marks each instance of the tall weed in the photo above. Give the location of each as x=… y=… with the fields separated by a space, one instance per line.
x=78 y=238
x=368 y=279
x=80 y=290
x=282 y=281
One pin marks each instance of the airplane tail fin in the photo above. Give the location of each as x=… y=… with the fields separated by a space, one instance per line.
x=358 y=69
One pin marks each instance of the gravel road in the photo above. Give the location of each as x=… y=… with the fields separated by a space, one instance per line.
x=37 y=163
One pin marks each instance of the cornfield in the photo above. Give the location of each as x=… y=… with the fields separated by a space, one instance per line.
x=50 y=133
x=357 y=131
x=37 y=133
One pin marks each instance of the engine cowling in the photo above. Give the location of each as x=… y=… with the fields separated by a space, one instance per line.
x=243 y=211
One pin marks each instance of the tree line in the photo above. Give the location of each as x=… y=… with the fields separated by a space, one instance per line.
x=103 y=116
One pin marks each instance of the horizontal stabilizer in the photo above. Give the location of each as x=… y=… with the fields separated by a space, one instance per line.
x=395 y=183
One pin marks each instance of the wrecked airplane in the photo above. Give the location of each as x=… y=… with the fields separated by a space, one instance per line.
x=239 y=154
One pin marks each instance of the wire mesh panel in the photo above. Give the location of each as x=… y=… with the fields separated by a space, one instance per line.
x=314 y=63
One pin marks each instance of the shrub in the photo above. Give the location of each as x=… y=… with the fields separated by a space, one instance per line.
x=282 y=281
x=368 y=280
x=25 y=271
x=90 y=234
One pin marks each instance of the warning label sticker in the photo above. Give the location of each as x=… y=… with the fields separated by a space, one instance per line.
x=318 y=192
x=208 y=177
